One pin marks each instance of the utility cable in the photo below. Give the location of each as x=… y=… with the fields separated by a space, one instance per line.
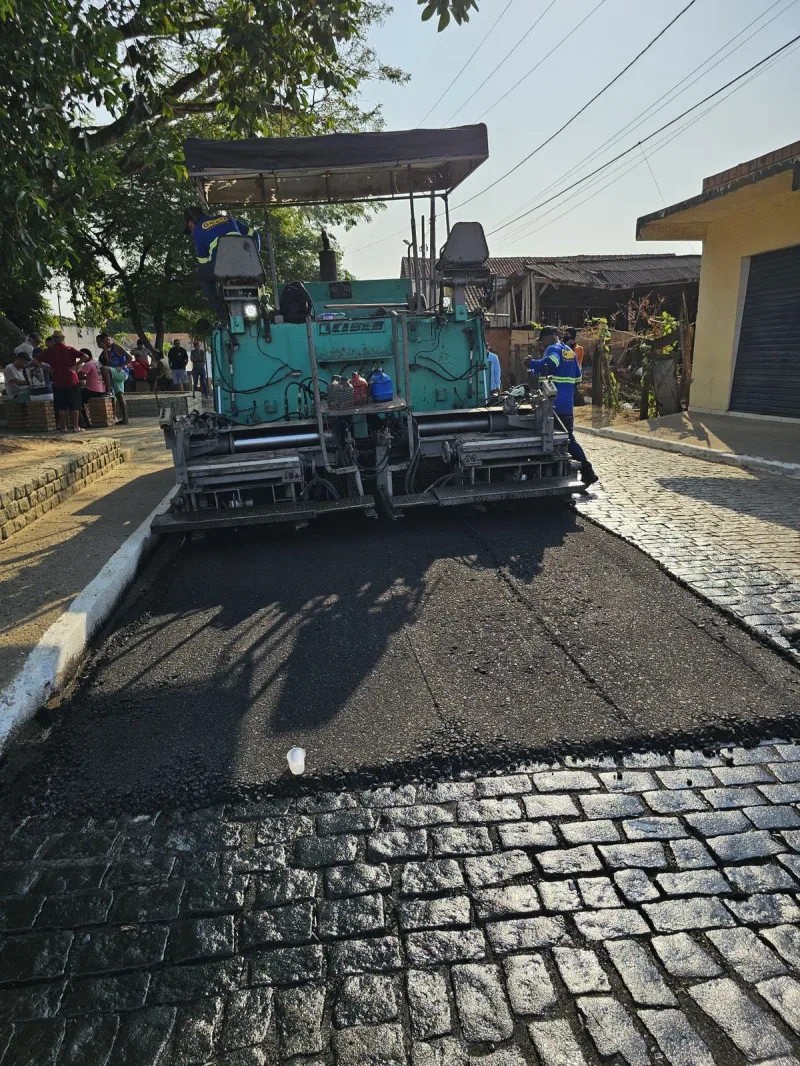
x=561 y=128
x=626 y=169
x=481 y=43
x=581 y=110
x=653 y=109
x=503 y=60
x=552 y=51
x=650 y=136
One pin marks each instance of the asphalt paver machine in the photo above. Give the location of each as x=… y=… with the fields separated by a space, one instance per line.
x=286 y=441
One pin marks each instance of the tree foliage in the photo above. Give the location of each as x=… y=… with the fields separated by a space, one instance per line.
x=459 y=9
x=95 y=98
x=87 y=87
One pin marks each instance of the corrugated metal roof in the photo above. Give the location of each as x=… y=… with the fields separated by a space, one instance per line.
x=588 y=271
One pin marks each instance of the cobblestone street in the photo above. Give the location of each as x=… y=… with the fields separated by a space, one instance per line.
x=638 y=912
x=732 y=536
x=614 y=908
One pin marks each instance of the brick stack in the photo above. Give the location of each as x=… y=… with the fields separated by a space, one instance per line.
x=101 y=411
x=30 y=417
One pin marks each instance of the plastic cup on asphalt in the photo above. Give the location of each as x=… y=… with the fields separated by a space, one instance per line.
x=297 y=760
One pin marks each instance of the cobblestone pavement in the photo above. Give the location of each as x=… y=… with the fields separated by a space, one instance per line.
x=732 y=536
x=587 y=911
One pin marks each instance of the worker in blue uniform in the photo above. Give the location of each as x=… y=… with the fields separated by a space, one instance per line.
x=206 y=231
x=494 y=369
x=560 y=363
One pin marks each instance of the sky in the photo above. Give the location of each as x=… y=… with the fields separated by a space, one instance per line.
x=555 y=81
x=520 y=41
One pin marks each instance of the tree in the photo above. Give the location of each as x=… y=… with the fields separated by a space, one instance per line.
x=87 y=86
x=459 y=9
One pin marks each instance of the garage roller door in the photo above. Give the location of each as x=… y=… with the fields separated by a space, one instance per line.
x=766 y=379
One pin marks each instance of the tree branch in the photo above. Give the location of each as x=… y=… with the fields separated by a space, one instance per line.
x=137 y=26
x=135 y=112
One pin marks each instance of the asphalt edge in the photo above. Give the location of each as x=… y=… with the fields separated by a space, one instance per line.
x=710 y=455
x=61 y=648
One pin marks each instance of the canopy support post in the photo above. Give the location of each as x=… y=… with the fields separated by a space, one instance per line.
x=446 y=199
x=414 y=246
x=273 y=271
x=432 y=238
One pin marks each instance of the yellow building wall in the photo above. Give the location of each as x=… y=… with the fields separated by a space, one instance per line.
x=764 y=228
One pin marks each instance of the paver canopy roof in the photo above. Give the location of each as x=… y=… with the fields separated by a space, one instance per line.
x=336 y=167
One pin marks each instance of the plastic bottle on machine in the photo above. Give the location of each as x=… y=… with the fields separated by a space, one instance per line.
x=360 y=388
x=380 y=386
x=340 y=394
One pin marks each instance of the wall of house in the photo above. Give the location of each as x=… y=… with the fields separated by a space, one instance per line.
x=764 y=228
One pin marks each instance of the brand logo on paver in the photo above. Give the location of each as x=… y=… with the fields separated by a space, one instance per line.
x=376 y=325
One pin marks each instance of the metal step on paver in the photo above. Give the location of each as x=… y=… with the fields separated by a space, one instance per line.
x=266 y=514
x=455 y=495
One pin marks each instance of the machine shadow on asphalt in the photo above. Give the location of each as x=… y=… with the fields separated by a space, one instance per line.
x=441 y=641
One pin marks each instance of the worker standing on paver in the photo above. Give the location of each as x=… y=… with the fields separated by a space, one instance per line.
x=560 y=363
x=206 y=231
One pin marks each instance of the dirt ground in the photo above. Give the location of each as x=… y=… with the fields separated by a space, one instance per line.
x=17 y=452
x=46 y=565
x=589 y=415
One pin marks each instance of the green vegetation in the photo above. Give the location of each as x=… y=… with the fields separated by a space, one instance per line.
x=97 y=98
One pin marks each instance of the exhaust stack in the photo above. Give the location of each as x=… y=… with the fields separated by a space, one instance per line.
x=328 y=269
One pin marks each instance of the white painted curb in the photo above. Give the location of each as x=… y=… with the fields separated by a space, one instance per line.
x=61 y=648
x=711 y=455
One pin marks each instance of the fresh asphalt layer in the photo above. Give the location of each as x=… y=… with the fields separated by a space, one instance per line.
x=441 y=643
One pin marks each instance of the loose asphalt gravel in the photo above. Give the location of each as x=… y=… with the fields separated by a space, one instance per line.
x=441 y=643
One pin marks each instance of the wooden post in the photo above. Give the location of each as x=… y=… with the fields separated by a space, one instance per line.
x=597 y=373
x=686 y=330
x=644 y=401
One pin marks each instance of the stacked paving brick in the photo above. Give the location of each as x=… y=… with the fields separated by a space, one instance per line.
x=145 y=405
x=101 y=412
x=29 y=417
x=563 y=914
x=47 y=486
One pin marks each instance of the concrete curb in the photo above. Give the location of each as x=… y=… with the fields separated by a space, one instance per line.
x=61 y=648
x=710 y=455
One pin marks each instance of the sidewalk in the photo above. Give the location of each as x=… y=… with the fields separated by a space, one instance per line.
x=731 y=535
x=753 y=443
x=44 y=566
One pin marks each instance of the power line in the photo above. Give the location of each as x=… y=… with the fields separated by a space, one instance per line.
x=626 y=169
x=552 y=51
x=653 y=109
x=588 y=104
x=632 y=124
x=380 y=240
x=650 y=136
x=503 y=60
x=455 y=79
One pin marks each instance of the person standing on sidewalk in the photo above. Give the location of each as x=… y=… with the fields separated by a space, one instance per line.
x=494 y=369
x=115 y=378
x=178 y=359
x=91 y=384
x=559 y=363
x=199 y=373
x=61 y=360
x=570 y=337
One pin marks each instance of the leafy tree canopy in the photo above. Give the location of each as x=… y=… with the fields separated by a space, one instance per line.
x=87 y=87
